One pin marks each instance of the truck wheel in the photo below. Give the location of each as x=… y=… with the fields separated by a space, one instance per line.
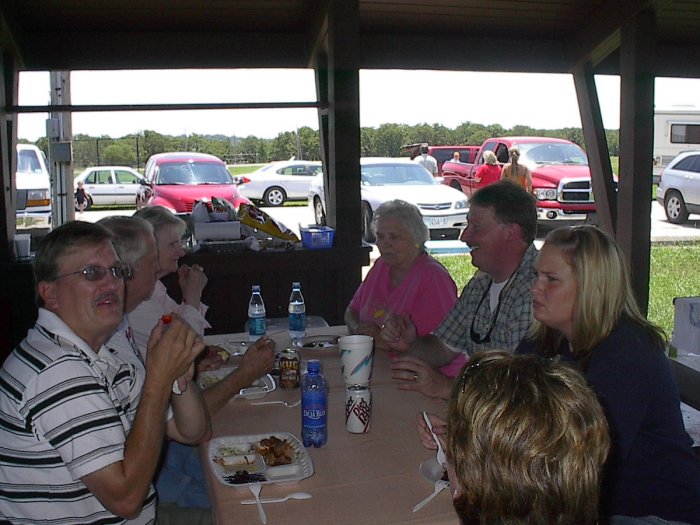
x=675 y=209
x=274 y=196
x=367 y=233
x=454 y=184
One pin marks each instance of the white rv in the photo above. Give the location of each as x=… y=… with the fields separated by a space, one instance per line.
x=675 y=130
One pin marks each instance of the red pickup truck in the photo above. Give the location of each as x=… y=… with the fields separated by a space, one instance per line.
x=561 y=179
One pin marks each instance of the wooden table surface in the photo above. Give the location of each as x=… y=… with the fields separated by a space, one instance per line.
x=367 y=478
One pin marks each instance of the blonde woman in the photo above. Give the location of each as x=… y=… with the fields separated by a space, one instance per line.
x=515 y=172
x=526 y=443
x=586 y=313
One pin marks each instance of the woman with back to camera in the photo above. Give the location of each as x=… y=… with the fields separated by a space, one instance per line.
x=585 y=312
x=526 y=442
x=489 y=172
x=516 y=172
x=405 y=280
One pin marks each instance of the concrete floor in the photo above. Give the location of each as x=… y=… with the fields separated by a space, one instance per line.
x=691 y=420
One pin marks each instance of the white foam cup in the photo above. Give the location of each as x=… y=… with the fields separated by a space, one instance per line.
x=356 y=358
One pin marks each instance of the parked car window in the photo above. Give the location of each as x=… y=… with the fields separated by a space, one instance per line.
x=396 y=174
x=502 y=153
x=194 y=173
x=442 y=155
x=293 y=170
x=696 y=164
x=99 y=177
x=691 y=163
x=552 y=154
x=126 y=177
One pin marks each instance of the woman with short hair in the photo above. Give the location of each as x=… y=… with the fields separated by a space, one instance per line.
x=526 y=442
x=490 y=171
x=168 y=230
x=404 y=281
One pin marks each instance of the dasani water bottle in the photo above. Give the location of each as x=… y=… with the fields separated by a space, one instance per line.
x=314 y=403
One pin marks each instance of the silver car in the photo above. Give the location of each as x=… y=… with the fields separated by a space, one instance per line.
x=109 y=185
x=444 y=209
x=679 y=187
x=278 y=182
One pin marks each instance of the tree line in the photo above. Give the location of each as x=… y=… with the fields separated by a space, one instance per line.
x=384 y=141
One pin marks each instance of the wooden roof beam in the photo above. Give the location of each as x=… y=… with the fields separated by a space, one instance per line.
x=600 y=36
x=11 y=34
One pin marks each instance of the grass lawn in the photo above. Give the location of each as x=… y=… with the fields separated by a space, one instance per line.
x=242 y=169
x=669 y=277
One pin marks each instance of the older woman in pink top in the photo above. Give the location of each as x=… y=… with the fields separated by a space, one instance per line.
x=404 y=281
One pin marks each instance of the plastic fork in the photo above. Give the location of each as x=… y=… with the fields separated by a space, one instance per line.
x=255 y=489
x=439 y=486
x=441 y=458
x=293 y=495
x=285 y=403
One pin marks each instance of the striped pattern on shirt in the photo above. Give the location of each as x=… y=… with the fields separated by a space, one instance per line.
x=64 y=413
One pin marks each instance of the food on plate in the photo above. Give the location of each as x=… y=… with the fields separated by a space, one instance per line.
x=243 y=476
x=236 y=460
x=223 y=354
x=275 y=451
x=238 y=448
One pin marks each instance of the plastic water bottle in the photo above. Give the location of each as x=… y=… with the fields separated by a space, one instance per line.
x=297 y=313
x=314 y=403
x=256 y=315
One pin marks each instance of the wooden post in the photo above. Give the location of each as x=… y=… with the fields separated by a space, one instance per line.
x=596 y=148
x=636 y=146
x=9 y=76
x=63 y=209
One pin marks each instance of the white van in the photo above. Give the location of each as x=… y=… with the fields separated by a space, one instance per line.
x=675 y=131
x=33 y=185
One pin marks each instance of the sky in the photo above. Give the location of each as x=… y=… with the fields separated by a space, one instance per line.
x=542 y=101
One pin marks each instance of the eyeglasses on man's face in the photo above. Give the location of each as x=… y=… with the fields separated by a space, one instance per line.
x=97 y=273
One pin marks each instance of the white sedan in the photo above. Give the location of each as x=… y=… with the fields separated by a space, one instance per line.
x=444 y=209
x=278 y=182
x=109 y=185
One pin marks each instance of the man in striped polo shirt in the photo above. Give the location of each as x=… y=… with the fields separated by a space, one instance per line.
x=81 y=425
